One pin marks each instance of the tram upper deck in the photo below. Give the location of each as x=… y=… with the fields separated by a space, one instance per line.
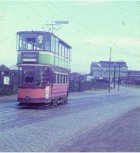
x=45 y=48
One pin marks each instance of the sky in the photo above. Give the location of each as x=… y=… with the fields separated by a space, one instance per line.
x=95 y=27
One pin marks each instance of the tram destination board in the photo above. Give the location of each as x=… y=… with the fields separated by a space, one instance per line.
x=31 y=57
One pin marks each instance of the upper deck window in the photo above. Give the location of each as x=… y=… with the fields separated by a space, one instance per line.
x=30 y=41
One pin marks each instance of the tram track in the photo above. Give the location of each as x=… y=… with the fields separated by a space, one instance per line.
x=13 y=116
x=29 y=116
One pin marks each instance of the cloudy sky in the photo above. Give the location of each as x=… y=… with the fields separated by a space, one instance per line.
x=94 y=27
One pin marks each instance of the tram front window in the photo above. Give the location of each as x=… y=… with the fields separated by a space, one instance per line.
x=35 y=76
x=29 y=79
x=30 y=41
x=32 y=76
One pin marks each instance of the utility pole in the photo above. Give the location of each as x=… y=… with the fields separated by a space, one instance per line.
x=114 y=74
x=109 y=68
x=119 y=78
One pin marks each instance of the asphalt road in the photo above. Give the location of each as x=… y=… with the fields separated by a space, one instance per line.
x=63 y=127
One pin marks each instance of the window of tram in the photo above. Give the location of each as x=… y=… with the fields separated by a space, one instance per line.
x=28 y=76
x=33 y=76
x=60 y=49
x=48 y=43
x=20 y=76
x=63 y=78
x=57 y=47
x=38 y=75
x=53 y=44
x=57 y=78
x=31 y=42
x=63 y=50
x=66 y=78
x=69 y=54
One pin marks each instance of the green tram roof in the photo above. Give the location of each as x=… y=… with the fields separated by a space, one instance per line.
x=41 y=32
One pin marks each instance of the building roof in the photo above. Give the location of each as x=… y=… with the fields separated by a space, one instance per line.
x=102 y=64
x=14 y=67
x=113 y=63
x=95 y=64
x=133 y=72
x=4 y=68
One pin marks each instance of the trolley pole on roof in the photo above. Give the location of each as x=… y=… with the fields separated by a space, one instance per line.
x=109 y=69
x=54 y=25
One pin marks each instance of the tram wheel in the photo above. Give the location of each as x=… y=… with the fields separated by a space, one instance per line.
x=44 y=106
x=54 y=103
x=65 y=101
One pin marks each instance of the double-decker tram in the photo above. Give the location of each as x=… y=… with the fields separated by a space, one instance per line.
x=43 y=62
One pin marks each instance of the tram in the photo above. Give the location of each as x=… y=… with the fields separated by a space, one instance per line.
x=43 y=61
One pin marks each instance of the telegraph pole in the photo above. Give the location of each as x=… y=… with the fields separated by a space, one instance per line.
x=114 y=74
x=119 y=78
x=109 y=68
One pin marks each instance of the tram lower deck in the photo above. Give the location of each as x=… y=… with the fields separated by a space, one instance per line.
x=42 y=85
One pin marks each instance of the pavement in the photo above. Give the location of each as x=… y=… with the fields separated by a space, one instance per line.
x=121 y=135
x=10 y=98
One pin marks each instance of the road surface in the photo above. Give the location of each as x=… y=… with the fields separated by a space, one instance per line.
x=62 y=127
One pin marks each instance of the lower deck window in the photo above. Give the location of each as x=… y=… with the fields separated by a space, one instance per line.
x=61 y=78
x=40 y=76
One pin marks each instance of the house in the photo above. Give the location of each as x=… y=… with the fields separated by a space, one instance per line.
x=101 y=70
x=8 y=80
x=133 y=77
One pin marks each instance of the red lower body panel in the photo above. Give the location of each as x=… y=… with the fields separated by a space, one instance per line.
x=42 y=95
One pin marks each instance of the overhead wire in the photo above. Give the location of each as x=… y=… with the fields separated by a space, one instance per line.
x=87 y=28
x=35 y=11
